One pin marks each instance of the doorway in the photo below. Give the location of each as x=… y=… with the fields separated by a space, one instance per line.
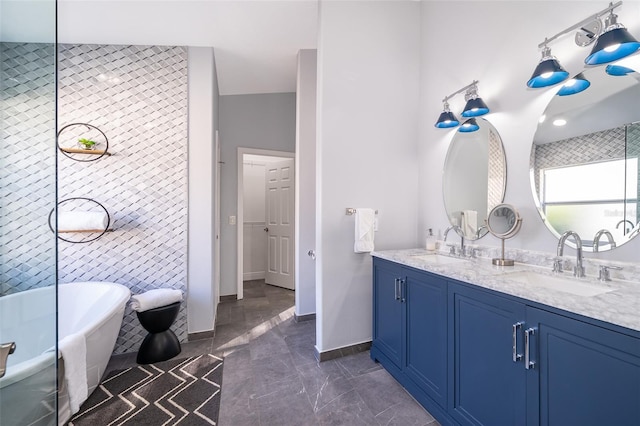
x=266 y=218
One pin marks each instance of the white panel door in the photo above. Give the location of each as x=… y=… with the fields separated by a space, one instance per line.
x=280 y=179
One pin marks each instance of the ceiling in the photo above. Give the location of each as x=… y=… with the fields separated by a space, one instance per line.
x=255 y=41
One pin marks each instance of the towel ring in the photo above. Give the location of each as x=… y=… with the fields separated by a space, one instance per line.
x=89 y=127
x=84 y=199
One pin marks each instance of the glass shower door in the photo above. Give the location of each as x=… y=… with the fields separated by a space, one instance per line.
x=28 y=348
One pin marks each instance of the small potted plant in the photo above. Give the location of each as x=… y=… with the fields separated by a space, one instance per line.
x=86 y=144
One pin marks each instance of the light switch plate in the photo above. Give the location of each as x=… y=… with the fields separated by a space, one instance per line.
x=232 y=220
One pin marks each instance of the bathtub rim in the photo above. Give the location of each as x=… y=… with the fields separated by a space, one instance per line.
x=42 y=360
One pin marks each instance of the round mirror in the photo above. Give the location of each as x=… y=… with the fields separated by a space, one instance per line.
x=584 y=158
x=503 y=222
x=474 y=178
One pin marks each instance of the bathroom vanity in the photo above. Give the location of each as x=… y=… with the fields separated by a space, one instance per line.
x=478 y=344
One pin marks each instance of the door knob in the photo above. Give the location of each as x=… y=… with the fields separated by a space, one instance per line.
x=266 y=229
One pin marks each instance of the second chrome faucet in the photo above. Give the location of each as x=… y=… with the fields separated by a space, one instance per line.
x=578 y=270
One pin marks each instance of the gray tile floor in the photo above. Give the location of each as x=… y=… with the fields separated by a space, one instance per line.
x=271 y=376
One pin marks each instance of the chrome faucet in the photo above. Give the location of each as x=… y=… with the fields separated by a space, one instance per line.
x=479 y=231
x=6 y=349
x=599 y=234
x=624 y=224
x=578 y=270
x=460 y=233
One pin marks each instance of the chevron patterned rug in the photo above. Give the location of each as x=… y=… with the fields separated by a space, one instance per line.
x=183 y=391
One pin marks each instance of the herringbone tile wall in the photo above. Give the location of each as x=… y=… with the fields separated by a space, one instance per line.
x=137 y=96
x=27 y=166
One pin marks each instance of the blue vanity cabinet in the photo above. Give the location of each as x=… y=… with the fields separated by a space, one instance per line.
x=487 y=382
x=388 y=315
x=582 y=374
x=410 y=329
x=426 y=333
x=473 y=356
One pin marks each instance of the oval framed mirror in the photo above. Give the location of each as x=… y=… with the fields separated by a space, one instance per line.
x=584 y=159
x=504 y=222
x=474 y=178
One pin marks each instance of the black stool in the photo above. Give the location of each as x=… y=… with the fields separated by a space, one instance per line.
x=161 y=343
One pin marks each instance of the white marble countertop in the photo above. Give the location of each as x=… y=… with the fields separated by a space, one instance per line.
x=620 y=306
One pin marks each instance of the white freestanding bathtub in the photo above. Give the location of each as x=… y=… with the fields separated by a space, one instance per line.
x=94 y=309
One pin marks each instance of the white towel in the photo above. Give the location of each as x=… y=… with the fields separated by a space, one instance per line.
x=73 y=349
x=82 y=221
x=469 y=222
x=155 y=299
x=365 y=220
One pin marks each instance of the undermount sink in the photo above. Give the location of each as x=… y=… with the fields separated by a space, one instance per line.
x=563 y=284
x=437 y=259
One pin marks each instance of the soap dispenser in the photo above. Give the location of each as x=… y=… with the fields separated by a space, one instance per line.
x=431 y=241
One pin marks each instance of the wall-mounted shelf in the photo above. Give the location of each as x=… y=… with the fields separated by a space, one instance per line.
x=85 y=151
x=78 y=131
x=79 y=206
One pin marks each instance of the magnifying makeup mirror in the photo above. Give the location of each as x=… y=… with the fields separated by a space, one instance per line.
x=503 y=222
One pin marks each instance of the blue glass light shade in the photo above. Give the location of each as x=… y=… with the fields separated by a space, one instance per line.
x=475 y=108
x=547 y=73
x=446 y=120
x=613 y=44
x=618 y=70
x=576 y=85
x=471 y=125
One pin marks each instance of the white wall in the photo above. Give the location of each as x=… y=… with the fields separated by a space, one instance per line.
x=203 y=121
x=368 y=85
x=265 y=121
x=305 y=266
x=498 y=52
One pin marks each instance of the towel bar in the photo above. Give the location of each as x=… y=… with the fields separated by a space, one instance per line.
x=351 y=211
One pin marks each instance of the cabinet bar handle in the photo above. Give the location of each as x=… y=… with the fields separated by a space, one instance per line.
x=396 y=288
x=516 y=356
x=403 y=290
x=528 y=364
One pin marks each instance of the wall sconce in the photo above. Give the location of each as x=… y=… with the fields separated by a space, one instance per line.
x=471 y=125
x=612 y=42
x=474 y=107
x=618 y=70
x=574 y=85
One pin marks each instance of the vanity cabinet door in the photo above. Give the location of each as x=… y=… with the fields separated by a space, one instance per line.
x=486 y=386
x=387 y=311
x=426 y=334
x=583 y=374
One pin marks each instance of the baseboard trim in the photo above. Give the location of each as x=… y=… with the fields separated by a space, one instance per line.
x=200 y=335
x=340 y=352
x=229 y=298
x=301 y=318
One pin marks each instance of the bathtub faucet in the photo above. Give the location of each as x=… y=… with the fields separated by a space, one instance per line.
x=6 y=349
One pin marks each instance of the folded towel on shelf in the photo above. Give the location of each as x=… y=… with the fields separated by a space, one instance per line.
x=469 y=222
x=82 y=221
x=73 y=349
x=155 y=299
x=364 y=230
